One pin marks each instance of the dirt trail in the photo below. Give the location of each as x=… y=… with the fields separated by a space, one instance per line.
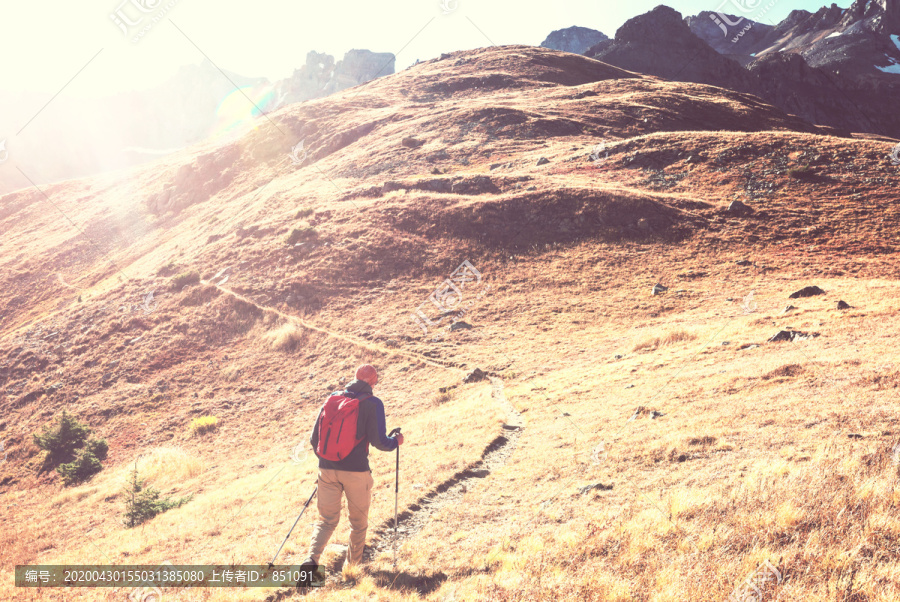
x=354 y=341
x=412 y=520
x=417 y=515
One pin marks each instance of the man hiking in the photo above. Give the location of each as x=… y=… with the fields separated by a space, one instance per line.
x=343 y=452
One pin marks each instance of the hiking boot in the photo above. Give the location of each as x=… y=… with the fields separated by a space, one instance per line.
x=318 y=577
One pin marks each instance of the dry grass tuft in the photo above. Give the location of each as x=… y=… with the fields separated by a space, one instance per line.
x=675 y=336
x=165 y=466
x=786 y=371
x=287 y=337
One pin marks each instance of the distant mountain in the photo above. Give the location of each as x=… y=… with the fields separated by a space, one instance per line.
x=320 y=76
x=834 y=67
x=573 y=39
x=742 y=39
x=79 y=138
x=660 y=43
x=860 y=41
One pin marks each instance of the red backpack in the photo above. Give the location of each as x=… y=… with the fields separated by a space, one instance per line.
x=337 y=427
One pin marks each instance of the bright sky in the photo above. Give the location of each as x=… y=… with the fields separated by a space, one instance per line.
x=47 y=44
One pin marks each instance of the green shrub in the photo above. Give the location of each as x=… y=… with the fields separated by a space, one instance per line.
x=98 y=448
x=86 y=465
x=185 y=278
x=143 y=502
x=301 y=234
x=68 y=449
x=61 y=441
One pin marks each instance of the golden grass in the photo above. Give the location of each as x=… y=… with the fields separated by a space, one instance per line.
x=202 y=425
x=762 y=469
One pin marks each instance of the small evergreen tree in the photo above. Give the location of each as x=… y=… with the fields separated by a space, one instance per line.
x=86 y=464
x=68 y=449
x=143 y=502
x=61 y=441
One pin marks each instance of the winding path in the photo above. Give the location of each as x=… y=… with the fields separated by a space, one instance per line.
x=417 y=515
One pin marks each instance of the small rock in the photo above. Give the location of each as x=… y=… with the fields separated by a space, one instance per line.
x=630 y=386
x=459 y=326
x=791 y=335
x=474 y=376
x=726 y=342
x=739 y=208
x=806 y=291
x=656 y=414
x=658 y=289
x=618 y=357
x=410 y=142
x=744 y=262
x=854 y=436
x=843 y=305
x=598 y=486
x=543 y=161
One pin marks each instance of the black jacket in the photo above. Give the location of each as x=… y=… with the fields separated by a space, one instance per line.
x=370 y=426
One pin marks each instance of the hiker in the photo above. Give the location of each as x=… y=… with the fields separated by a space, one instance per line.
x=351 y=474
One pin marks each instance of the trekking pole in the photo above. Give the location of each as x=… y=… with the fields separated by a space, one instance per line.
x=271 y=564
x=396 y=491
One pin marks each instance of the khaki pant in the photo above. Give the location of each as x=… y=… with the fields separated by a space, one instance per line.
x=358 y=488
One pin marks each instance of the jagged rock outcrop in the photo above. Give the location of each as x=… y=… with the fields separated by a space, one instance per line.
x=574 y=39
x=878 y=16
x=731 y=35
x=321 y=76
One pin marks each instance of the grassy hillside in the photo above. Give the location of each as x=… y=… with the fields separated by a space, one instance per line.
x=624 y=445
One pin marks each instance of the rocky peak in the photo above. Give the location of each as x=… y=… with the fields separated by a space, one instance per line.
x=320 y=76
x=574 y=39
x=880 y=16
x=728 y=35
x=661 y=43
x=660 y=26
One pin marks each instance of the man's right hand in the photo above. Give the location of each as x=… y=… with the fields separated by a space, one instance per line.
x=399 y=438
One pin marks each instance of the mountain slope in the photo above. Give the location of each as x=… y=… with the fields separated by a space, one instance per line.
x=572 y=187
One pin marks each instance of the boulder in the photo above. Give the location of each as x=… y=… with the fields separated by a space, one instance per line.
x=474 y=376
x=791 y=335
x=543 y=161
x=410 y=142
x=843 y=305
x=658 y=289
x=739 y=208
x=806 y=291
